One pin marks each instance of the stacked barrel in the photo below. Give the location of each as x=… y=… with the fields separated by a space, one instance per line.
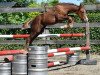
x=37 y=61
x=5 y=68
x=19 y=65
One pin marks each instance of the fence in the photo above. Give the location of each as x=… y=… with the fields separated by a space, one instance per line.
x=52 y=42
x=12 y=10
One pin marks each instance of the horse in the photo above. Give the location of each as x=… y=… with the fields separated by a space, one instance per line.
x=57 y=14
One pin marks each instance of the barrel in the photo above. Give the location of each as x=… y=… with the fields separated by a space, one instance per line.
x=73 y=59
x=19 y=65
x=5 y=68
x=37 y=60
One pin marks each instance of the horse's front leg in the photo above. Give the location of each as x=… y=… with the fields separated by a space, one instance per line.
x=29 y=40
x=70 y=22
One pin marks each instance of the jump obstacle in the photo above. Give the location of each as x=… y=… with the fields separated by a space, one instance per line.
x=51 y=64
x=6 y=58
x=61 y=53
x=9 y=52
x=41 y=53
x=43 y=35
x=68 y=49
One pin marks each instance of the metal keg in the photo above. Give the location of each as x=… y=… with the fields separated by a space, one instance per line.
x=37 y=60
x=73 y=59
x=5 y=68
x=19 y=65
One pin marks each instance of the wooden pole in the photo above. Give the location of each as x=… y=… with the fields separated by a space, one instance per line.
x=87 y=40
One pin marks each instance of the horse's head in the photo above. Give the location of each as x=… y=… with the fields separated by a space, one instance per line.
x=82 y=13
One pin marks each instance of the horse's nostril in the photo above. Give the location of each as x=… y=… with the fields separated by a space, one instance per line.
x=86 y=20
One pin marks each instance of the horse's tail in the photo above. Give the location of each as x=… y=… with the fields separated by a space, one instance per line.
x=34 y=24
x=26 y=25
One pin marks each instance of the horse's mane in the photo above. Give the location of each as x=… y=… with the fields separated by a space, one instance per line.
x=67 y=4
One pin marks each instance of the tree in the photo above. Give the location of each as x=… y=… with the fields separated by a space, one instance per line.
x=89 y=1
x=20 y=3
x=53 y=2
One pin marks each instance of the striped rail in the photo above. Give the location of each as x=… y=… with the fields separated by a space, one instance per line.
x=68 y=49
x=43 y=35
x=51 y=64
x=61 y=53
x=8 y=52
x=6 y=57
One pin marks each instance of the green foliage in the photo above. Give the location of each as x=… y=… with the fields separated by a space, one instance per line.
x=20 y=3
x=94 y=17
x=89 y=1
x=95 y=49
x=13 y=18
x=95 y=33
x=11 y=47
x=33 y=14
x=19 y=18
x=53 y=2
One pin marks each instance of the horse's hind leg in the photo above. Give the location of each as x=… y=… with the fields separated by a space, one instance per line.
x=29 y=40
x=33 y=35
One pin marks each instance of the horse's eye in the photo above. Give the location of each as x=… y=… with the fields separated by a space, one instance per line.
x=82 y=11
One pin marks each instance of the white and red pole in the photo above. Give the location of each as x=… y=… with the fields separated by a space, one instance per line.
x=68 y=49
x=43 y=35
x=61 y=53
x=8 y=52
x=8 y=57
x=51 y=64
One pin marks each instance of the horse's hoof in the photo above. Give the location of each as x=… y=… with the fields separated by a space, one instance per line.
x=71 y=26
x=61 y=26
x=65 y=26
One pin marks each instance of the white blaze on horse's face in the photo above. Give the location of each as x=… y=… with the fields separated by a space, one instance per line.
x=82 y=14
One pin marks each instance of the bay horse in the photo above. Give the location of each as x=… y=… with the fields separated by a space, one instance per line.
x=57 y=14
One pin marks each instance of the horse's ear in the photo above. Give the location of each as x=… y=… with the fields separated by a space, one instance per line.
x=81 y=5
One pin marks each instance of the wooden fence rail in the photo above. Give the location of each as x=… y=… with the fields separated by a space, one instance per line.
x=51 y=26
x=50 y=42
x=12 y=10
